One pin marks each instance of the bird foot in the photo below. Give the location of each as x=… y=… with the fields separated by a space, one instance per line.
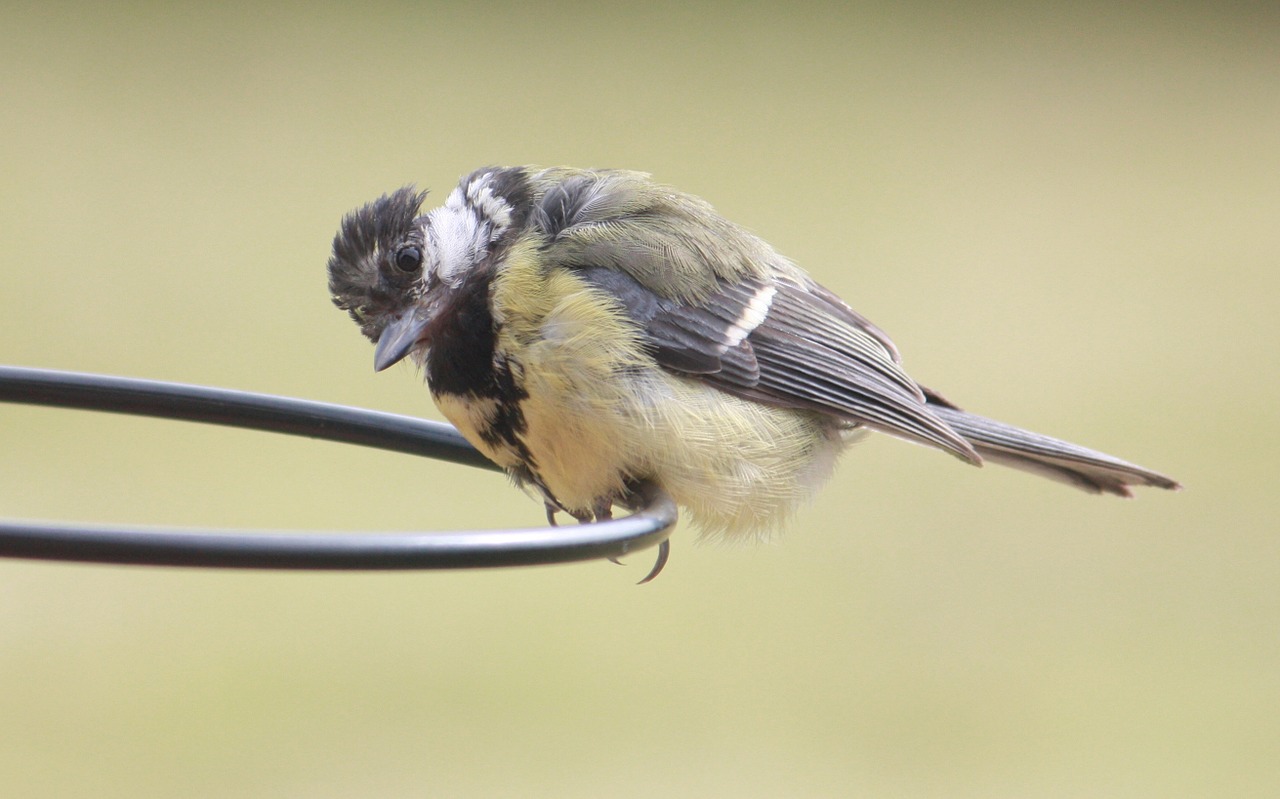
x=602 y=512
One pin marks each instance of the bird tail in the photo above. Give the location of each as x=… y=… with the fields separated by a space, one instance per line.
x=1087 y=469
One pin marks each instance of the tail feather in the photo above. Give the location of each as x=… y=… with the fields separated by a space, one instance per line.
x=1087 y=469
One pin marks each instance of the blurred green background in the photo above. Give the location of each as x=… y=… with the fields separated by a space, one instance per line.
x=1066 y=218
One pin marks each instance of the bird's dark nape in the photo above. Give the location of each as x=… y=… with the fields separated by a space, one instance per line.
x=509 y=183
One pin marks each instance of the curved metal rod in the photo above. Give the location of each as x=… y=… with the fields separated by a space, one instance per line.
x=278 y=550
x=232 y=408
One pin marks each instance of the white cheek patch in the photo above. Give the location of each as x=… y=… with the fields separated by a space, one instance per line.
x=461 y=231
x=455 y=244
x=752 y=316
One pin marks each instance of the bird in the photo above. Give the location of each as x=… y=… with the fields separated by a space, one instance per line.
x=589 y=330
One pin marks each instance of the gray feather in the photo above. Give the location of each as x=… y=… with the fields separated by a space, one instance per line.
x=798 y=356
x=1084 y=468
x=624 y=221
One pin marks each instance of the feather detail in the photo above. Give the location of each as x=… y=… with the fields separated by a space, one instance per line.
x=791 y=352
x=1084 y=468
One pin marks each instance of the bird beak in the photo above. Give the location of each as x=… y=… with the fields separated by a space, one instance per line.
x=399 y=338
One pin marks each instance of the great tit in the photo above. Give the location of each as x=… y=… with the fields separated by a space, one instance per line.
x=587 y=329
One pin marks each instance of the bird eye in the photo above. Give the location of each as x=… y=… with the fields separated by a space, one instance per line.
x=409 y=259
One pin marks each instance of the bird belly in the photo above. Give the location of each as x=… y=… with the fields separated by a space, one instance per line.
x=737 y=467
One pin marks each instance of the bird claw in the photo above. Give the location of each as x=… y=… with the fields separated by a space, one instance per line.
x=664 y=552
x=602 y=513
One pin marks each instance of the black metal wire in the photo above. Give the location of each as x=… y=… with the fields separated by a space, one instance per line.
x=238 y=409
x=280 y=550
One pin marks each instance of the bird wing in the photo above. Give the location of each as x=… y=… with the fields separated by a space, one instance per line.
x=716 y=303
x=776 y=342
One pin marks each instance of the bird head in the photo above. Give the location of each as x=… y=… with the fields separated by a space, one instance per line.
x=395 y=269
